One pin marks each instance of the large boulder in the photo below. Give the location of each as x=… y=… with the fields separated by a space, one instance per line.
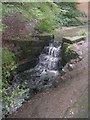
x=68 y=53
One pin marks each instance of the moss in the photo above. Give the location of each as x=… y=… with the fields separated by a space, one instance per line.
x=68 y=53
x=7 y=56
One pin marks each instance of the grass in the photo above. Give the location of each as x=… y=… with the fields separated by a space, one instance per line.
x=44 y=13
x=82 y=32
x=49 y=15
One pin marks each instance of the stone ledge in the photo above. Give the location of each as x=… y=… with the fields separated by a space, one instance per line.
x=74 y=39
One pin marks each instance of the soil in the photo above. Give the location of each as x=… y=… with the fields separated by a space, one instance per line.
x=18 y=28
x=54 y=102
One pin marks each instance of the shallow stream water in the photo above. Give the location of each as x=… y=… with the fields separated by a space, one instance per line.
x=37 y=78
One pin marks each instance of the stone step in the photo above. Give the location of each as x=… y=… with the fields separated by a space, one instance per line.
x=74 y=39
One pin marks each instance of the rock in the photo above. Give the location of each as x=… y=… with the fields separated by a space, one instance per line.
x=80 y=57
x=74 y=39
x=80 y=53
x=61 y=77
x=70 y=66
x=63 y=72
x=69 y=52
x=80 y=43
x=73 y=61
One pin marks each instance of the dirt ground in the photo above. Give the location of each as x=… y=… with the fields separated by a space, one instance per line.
x=59 y=102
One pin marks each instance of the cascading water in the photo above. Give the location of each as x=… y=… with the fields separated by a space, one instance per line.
x=42 y=75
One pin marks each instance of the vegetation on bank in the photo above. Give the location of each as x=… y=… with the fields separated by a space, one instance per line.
x=8 y=66
x=10 y=91
x=48 y=15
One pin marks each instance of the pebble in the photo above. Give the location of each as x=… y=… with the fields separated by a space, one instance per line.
x=80 y=57
x=70 y=66
x=62 y=77
x=80 y=53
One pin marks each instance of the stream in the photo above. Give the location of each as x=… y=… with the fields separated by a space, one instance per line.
x=37 y=78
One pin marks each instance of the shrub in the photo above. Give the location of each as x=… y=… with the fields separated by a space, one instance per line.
x=47 y=25
x=8 y=66
x=82 y=32
x=69 y=15
x=50 y=15
x=10 y=91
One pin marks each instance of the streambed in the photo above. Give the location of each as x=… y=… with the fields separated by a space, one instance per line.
x=30 y=81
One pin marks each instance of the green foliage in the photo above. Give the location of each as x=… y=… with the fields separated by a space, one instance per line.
x=7 y=56
x=8 y=67
x=49 y=15
x=45 y=15
x=12 y=97
x=70 y=15
x=12 y=94
x=82 y=32
x=68 y=4
x=47 y=25
x=69 y=50
x=3 y=27
x=7 y=9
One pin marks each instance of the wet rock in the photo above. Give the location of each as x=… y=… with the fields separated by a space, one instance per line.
x=74 y=39
x=70 y=66
x=68 y=53
x=79 y=53
x=62 y=78
x=63 y=72
x=80 y=43
x=80 y=58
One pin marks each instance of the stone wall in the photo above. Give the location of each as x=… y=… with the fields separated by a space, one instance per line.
x=27 y=51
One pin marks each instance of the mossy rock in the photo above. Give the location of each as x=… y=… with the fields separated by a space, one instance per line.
x=68 y=53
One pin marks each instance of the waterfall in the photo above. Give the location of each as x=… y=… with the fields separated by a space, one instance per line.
x=43 y=74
